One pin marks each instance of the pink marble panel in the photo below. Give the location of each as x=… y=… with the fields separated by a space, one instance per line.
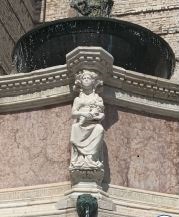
x=141 y=151
x=34 y=147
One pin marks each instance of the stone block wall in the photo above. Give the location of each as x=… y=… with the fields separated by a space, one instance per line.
x=57 y=9
x=160 y=16
x=16 y=18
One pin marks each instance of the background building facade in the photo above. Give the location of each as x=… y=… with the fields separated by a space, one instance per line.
x=18 y=17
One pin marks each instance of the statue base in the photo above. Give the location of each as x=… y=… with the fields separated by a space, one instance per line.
x=86 y=175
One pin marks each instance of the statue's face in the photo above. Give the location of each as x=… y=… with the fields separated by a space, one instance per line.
x=87 y=81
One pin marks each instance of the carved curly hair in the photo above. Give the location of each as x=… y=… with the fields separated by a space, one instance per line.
x=97 y=82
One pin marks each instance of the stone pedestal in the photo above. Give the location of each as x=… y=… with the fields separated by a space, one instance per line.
x=89 y=176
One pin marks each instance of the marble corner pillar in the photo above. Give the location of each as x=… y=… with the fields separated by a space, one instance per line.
x=89 y=67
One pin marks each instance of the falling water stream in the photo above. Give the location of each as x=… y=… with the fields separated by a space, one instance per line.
x=87 y=211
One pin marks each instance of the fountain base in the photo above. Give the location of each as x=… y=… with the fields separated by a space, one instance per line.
x=83 y=188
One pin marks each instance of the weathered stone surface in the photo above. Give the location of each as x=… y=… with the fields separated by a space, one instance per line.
x=140 y=151
x=6 y=45
x=34 y=147
x=57 y=9
x=16 y=18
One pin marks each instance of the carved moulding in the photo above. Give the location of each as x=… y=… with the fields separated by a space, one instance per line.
x=54 y=85
x=93 y=58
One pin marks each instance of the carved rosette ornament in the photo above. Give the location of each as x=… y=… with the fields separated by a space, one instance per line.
x=92 y=8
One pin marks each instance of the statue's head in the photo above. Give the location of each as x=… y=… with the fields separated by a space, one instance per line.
x=87 y=79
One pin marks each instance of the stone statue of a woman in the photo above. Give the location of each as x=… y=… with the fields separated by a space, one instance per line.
x=87 y=131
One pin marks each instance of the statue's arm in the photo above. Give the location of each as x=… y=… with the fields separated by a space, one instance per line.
x=75 y=109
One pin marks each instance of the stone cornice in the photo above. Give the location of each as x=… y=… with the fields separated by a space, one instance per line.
x=124 y=88
x=40 y=201
x=37 y=191
x=144 y=197
x=145 y=85
x=141 y=103
x=21 y=84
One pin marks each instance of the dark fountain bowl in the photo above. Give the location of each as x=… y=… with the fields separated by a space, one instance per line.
x=132 y=46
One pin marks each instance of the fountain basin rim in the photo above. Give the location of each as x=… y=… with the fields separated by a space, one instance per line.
x=112 y=20
x=152 y=50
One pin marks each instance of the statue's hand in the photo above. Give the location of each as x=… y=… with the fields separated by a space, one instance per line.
x=99 y=116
